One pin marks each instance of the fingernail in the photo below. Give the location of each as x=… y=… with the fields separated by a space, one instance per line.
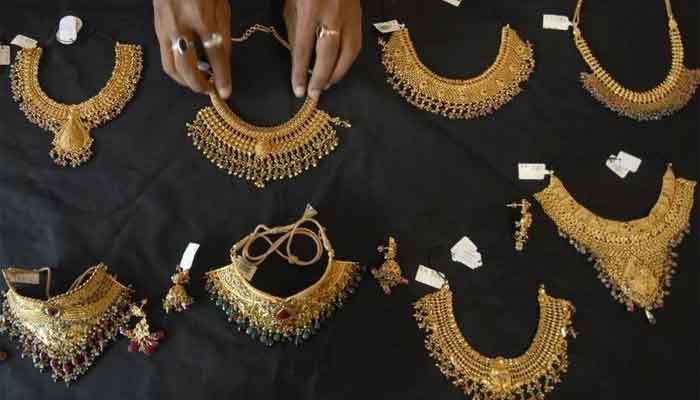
x=314 y=93
x=225 y=92
x=328 y=86
x=299 y=91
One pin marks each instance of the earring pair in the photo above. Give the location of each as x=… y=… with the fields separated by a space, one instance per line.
x=522 y=226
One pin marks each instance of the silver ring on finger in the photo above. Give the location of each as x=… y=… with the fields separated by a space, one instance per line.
x=213 y=41
x=181 y=45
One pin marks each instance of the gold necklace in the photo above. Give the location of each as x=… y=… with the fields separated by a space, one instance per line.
x=530 y=375
x=635 y=259
x=458 y=98
x=664 y=99
x=67 y=332
x=262 y=154
x=71 y=123
x=271 y=319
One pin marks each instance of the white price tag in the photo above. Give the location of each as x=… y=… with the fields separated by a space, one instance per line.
x=188 y=256
x=614 y=164
x=24 y=41
x=68 y=28
x=559 y=22
x=247 y=269
x=470 y=259
x=628 y=161
x=430 y=277
x=455 y=3
x=388 y=26
x=464 y=244
x=532 y=171
x=4 y=55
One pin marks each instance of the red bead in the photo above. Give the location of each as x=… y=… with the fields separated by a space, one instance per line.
x=149 y=350
x=133 y=346
x=3 y=356
x=78 y=359
x=55 y=364
x=160 y=334
x=283 y=315
x=68 y=367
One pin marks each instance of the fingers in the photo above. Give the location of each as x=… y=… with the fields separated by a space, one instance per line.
x=349 y=50
x=304 y=39
x=219 y=57
x=164 y=25
x=186 y=67
x=326 y=55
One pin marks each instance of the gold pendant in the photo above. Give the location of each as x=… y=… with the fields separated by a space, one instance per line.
x=71 y=145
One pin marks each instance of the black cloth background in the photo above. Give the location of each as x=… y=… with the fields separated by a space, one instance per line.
x=147 y=192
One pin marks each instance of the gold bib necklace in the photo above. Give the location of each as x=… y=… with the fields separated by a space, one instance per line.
x=635 y=259
x=68 y=332
x=664 y=99
x=457 y=98
x=272 y=319
x=71 y=123
x=530 y=375
x=263 y=154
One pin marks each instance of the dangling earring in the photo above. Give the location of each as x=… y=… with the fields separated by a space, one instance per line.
x=177 y=298
x=523 y=224
x=141 y=337
x=389 y=274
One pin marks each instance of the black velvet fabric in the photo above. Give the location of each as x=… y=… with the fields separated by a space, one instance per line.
x=425 y=179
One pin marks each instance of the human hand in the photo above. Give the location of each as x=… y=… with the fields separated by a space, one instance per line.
x=195 y=20
x=335 y=52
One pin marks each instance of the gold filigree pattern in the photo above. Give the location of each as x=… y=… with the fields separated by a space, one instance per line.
x=458 y=98
x=530 y=375
x=664 y=99
x=635 y=259
x=264 y=154
x=68 y=332
x=271 y=319
x=71 y=123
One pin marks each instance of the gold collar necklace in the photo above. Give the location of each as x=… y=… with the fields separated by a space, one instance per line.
x=271 y=319
x=263 y=154
x=664 y=99
x=67 y=332
x=530 y=375
x=457 y=98
x=635 y=259
x=71 y=123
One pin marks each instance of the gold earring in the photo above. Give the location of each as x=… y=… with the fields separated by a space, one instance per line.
x=523 y=224
x=141 y=337
x=389 y=274
x=177 y=298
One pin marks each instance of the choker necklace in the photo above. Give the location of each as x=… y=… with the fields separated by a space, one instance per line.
x=262 y=154
x=457 y=98
x=530 y=375
x=271 y=319
x=71 y=123
x=635 y=259
x=67 y=332
x=664 y=99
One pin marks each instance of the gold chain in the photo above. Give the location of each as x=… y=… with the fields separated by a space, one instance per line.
x=263 y=154
x=667 y=97
x=458 y=98
x=530 y=375
x=71 y=123
x=634 y=259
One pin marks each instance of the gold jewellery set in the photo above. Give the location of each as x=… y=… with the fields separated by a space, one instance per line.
x=66 y=333
x=264 y=154
x=70 y=124
x=457 y=98
x=667 y=97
